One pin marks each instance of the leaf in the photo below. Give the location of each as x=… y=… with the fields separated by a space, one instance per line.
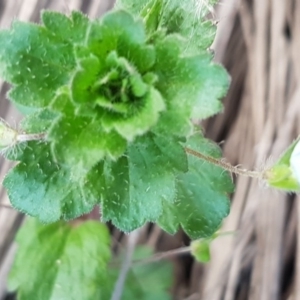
x=201 y=250
x=192 y=86
x=79 y=143
x=71 y=28
x=60 y=261
x=44 y=58
x=152 y=16
x=184 y=17
x=135 y=186
x=114 y=98
x=71 y=261
x=40 y=187
x=192 y=83
x=149 y=10
x=39 y=121
x=188 y=18
x=201 y=194
x=109 y=84
x=283 y=174
x=119 y=32
x=137 y=8
x=142 y=121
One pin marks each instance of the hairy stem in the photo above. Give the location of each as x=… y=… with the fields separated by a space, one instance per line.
x=224 y=165
x=30 y=137
x=159 y=256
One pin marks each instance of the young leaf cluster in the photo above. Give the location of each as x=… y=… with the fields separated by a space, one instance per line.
x=115 y=98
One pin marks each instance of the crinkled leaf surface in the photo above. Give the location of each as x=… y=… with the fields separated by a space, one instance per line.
x=113 y=97
x=185 y=17
x=135 y=7
x=188 y=19
x=37 y=60
x=192 y=86
x=86 y=144
x=42 y=188
x=187 y=78
x=61 y=261
x=118 y=31
x=135 y=186
x=106 y=62
x=72 y=29
x=201 y=194
x=111 y=80
x=39 y=121
x=78 y=142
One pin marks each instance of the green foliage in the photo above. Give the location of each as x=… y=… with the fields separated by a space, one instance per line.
x=61 y=261
x=201 y=250
x=40 y=187
x=114 y=101
x=201 y=194
x=136 y=186
x=71 y=261
x=115 y=98
x=186 y=18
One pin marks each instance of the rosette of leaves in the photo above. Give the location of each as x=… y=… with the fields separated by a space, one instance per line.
x=115 y=97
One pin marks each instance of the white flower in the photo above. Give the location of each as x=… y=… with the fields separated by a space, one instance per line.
x=295 y=161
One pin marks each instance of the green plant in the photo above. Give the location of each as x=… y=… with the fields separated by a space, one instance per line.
x=108 y=106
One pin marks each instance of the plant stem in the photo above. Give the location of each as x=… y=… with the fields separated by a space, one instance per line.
x=30 y=137
x=224 y=165
x=119 y=286
x=159 y=256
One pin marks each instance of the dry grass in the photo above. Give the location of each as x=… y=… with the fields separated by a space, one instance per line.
x=259 y=42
